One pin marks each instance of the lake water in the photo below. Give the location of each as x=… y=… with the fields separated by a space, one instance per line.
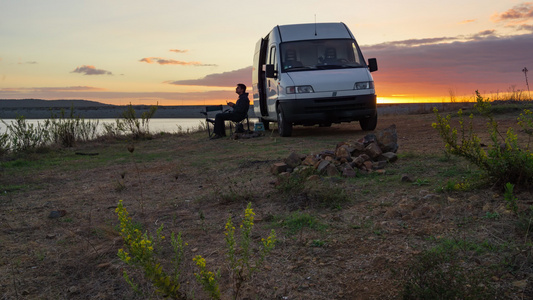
x=156 y=125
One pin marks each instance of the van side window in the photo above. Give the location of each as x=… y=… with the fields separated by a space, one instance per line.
x=272 y=58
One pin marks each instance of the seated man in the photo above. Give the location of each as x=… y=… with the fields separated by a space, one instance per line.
x=240 y=110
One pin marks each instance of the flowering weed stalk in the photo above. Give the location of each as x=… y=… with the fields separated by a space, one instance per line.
x=243 y=262
x=139 y=252
x=207 y=279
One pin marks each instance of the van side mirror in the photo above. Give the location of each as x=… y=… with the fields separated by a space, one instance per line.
x=269 y=71
x=372 y=64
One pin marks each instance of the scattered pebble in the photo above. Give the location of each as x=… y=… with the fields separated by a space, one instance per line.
x=57 y=214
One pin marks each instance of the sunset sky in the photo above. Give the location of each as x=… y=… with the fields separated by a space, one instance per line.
x=194 y=52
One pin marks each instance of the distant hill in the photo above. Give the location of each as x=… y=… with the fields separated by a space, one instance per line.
x=34 y=103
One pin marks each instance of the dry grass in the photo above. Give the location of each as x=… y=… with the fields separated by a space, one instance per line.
x=191 y=185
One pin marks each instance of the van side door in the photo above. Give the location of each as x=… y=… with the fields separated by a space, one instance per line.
x=259 y=77
x=272 y=82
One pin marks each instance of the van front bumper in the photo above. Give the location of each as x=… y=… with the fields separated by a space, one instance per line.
x=329 y=110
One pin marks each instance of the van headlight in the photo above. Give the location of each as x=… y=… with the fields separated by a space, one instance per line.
x=301 y=89
x=363 y=85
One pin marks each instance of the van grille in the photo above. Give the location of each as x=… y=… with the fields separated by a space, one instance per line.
x=336 y=104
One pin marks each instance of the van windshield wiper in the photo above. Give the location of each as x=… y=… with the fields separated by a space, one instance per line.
x=323 y=67
x=300 y=68
x=338 y=66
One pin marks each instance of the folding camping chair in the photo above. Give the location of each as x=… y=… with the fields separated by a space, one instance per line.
x=209 y=119
x=239 y=124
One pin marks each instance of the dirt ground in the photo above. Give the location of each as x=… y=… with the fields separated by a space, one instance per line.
x=192 y=185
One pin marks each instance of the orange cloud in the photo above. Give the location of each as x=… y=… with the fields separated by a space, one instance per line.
x=164 y=61
x=467 y=21
x=178 y=50
x=519 y=14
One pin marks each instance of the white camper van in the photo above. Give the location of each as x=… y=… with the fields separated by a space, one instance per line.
x=308 y=74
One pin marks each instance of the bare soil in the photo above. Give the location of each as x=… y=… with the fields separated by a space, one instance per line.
x=190 y=184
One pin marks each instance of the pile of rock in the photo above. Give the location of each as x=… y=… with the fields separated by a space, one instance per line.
x=369 y=154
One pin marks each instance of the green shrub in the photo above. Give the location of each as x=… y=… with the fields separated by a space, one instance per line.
x=504 y=159
x=297 y=221
x=328 y=195
x=24 y=136
x=441 y=273
x=295 y=183
x=138 y=128
x=61 y=130
x=4 y=143
x=66 y=131
x=510 y=198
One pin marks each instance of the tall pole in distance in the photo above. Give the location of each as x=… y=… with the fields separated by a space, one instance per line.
x=525 y=70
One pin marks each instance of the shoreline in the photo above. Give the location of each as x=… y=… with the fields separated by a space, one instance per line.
x=193 y=111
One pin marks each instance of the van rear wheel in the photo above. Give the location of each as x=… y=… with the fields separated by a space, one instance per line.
x=368 y=124
x=284 y=127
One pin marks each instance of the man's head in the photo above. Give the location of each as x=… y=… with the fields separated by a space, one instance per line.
x=241 y=88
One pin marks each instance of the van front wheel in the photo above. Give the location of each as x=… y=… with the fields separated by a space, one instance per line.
x=368 y=124
x=284 y=127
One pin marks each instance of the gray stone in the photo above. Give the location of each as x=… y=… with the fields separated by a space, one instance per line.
x=310 y=160
x=322 y=166
x=388 y=139
x=406 y=178
x=331 y=170
x=358 y=146
x=293 y=160
x=327 y=153
x=368 y=139
x=348 y=172
x=342 y=152
x=373 y=150
x=390 y=156
x=277 y=168
x=358 y=161
x=378 y=165
x=57 y=214
x=365 y=157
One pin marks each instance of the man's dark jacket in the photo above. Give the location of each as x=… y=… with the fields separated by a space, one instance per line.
x=241 y=107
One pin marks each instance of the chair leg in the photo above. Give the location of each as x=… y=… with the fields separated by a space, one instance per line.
x=230 y=128
x=210 y=123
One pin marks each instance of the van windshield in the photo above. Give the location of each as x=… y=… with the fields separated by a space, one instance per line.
x=320 y=54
